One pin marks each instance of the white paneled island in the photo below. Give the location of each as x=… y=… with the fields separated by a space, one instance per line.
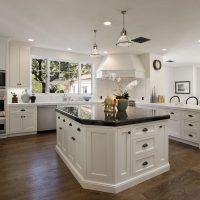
x=112 y=152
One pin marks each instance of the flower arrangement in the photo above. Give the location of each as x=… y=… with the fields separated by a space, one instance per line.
x=121 y=93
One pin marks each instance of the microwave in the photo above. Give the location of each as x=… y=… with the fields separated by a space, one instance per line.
x=2 y=105
x=2 y=126
x=2 y=79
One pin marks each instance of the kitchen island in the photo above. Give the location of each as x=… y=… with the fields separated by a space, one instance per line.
x=111 y=152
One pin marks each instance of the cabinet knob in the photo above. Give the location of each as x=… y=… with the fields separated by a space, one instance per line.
x=73 y=139
x=145 y=145
x=70 y=124
x=190 y=124
x=160 y=126
x=190 y=135
x=129 y=132
x=58 y=117
x=145 y=163
x=172 y=113
x=22 y=109
x=190 y=115
x=144 y=129
x=78 y=129
x=60 y=128
x=63 y=120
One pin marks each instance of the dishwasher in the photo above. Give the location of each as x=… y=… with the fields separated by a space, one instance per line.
x=46 y=118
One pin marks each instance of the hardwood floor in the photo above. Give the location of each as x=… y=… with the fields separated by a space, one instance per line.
x=31 y=170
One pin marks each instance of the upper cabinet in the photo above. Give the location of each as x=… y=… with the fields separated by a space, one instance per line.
x=3 y=53
x=19 y=66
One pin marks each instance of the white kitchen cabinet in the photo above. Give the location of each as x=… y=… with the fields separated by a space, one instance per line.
x=124 y=153
x=19 y=66
x=22 y=120
x=3 y=53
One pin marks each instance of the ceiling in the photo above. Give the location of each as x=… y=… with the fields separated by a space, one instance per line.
x=60 y=24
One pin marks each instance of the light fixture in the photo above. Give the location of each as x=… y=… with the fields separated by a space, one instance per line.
x=95 y=51
x=199 y=41
x=31 y=40
x=105 y=52
x=69 y=49
x=124 y=41
x=164 y=49
x=107 y=23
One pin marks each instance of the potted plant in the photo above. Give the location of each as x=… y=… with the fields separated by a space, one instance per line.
x=122 y=101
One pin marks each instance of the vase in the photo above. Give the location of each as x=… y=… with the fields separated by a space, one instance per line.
x=121 y=115
x=25 y=97
x=122 y=104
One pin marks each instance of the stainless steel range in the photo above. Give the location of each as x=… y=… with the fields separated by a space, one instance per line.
x=2 y=105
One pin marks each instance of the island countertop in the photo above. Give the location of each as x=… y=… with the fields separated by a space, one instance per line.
x=95 y=115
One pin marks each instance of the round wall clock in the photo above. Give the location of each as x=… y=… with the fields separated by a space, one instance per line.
x=157 y=64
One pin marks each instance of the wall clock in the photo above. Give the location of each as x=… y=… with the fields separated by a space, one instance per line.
x=157 y=64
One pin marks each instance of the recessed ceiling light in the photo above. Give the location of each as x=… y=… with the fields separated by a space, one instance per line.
x=31 y=40
x=164 y=49
x=107 y=23
x=199 y=41
x=69 y=49
x=105 y=52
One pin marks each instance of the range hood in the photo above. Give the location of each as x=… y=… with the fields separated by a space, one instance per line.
x=121 y=65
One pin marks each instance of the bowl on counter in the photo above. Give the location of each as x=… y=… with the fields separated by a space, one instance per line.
x=86 y=98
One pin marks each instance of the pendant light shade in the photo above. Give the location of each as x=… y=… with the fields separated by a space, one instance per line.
x=124 y=41
x=95 y=51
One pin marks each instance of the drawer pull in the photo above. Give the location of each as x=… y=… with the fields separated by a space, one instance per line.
x=129 y=132
x=73 y=139
x=144 y=129
x=160 y=126
x=145 y=145
x=63 y=120
x=172 y=113
x=78 y=129
x=58 y=117
x=60 y=128
x=22 y=109
x=190 y=124
x=145 y=163
x=190 y=116
x=70 y=124
x=190 y=135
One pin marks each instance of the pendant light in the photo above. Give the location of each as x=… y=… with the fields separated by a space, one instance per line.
x=95 y=51
x=123 y=41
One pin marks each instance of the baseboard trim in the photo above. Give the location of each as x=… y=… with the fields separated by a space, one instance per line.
x=111 y=188
x=184 y=141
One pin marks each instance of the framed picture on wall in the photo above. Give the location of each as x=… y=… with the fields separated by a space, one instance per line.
x=182 y=87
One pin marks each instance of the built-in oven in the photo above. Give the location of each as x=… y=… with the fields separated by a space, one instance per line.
x=2 y=126
x=2 y=105
x=2 y=79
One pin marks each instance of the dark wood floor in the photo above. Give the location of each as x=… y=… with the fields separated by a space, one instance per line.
x=31 y=170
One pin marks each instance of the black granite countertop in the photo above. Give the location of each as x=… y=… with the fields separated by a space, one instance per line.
x=95 y=115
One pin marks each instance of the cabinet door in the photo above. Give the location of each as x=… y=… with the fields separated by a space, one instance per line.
x=174 y=127
x=14 y=67
x=29 y=122
x=24 y=68
x=71 y=150
x=100 y=154
x=64 y=136
x=15 y=123
x=79 y=154
x=123 y=153
x=59 y=131
x=3 y=52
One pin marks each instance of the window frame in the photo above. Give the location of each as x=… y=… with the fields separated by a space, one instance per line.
x=47 y=92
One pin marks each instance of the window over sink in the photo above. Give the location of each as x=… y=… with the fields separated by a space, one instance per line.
x=54 y=76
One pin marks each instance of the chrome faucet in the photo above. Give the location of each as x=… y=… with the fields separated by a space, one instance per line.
x=66 y=97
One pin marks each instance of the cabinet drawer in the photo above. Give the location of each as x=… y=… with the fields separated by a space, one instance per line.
x=191 y=125
x=144 y=145
x=189 y=135
x=145 y=163
x=191 y=116
x=175 y=114
x=22 y=109
x=143 y=131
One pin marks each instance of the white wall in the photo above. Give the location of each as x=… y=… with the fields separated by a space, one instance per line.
x=187 y=73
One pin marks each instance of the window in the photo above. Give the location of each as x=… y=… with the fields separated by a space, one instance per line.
x=39 y=75
x=59 y=76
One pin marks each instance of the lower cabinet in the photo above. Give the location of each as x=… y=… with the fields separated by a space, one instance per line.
x=22 y=119
x=106 y=158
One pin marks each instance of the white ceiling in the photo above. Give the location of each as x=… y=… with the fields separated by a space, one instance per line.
x=59 y=24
